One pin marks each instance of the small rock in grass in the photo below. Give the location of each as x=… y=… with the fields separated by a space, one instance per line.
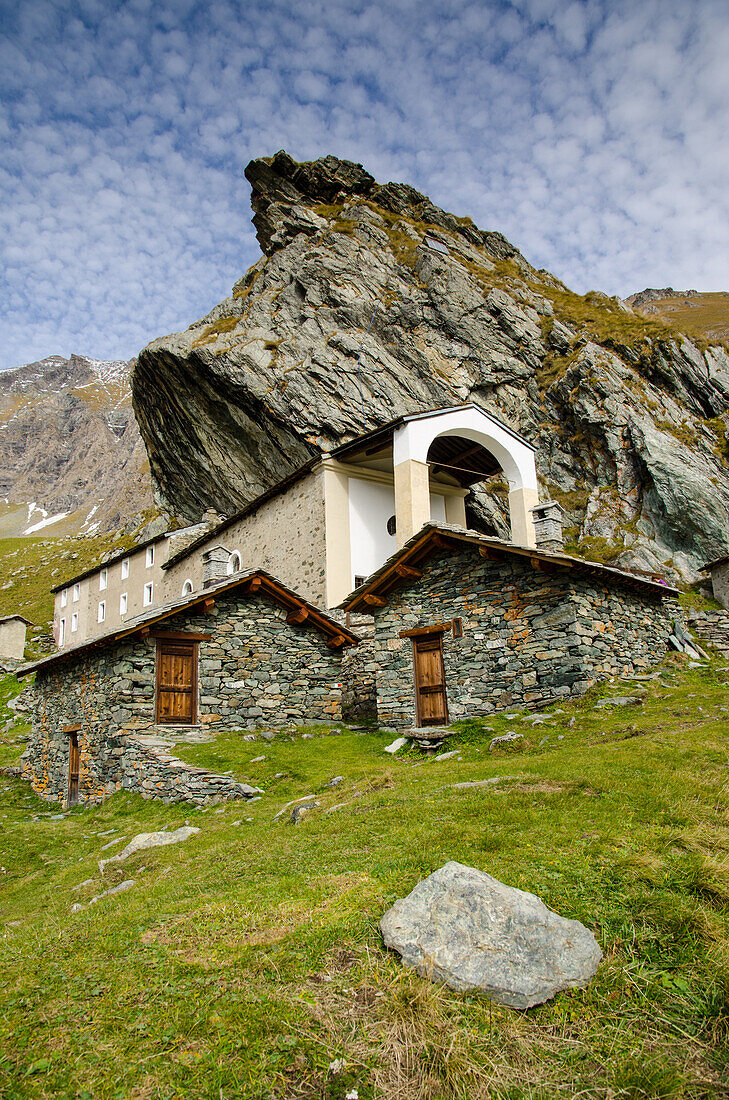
x=336 y=781
x=507 y=740
x=301 y=811
x=257 y=759
x=396 y=745
x=620 y=701
x=307 y=737
x=149 y=840
x=482 y=782
x=268 y=736
x=447 y=755
x=86 y=882
x=463 y=927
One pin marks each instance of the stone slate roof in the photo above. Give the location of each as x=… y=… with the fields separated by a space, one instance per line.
x=10 y=618
x=269 y=586
x=435 y=536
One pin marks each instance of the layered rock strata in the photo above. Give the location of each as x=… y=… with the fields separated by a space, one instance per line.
x=370 y=302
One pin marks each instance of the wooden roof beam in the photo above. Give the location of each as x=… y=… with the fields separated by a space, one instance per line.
x=297 y=616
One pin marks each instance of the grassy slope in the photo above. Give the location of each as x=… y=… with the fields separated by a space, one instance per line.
x=706 y=316
x=246 y=960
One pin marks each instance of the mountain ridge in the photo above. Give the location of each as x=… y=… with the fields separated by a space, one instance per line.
x=70 y=449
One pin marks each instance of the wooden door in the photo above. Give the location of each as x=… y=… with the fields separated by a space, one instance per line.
x=176 y=682
x=431 y=705
x=73 y=768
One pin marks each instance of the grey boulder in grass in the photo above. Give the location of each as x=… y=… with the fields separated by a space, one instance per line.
x=462 y=927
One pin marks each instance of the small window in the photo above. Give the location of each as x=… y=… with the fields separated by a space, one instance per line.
x=125 y=569
x=64 y=597
x=234 y=563
x=148 y=593
x=123 y=604
x=150 y=556
x=76 y=593
x=61 y=632
x=359 y=581
x=103 y=579
x=74 y=622
x=102 y=611
x=457 y=628
x=187 y=588
x=392 y=525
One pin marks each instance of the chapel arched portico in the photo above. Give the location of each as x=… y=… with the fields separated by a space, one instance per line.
x=412 y=443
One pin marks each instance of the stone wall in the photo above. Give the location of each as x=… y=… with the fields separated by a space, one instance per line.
x=12 y=638
x=285 y=536
x=720 y=583
x=528 y=637
x=713 y=627
x=255 y=670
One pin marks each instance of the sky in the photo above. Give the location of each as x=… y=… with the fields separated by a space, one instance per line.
x=592 y=133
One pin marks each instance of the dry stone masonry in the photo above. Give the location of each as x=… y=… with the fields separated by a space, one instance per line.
x=255 y=670
x=528 y=637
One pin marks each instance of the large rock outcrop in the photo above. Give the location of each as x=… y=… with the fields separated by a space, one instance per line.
x=370 y=302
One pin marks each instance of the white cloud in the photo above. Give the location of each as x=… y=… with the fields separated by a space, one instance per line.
x=590 y=132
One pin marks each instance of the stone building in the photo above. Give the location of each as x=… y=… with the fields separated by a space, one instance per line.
x=719 y=573
x=465 y=625
x=244 y=651
x=13 y=629
x=325 y=527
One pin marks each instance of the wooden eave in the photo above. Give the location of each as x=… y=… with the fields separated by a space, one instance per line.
x=404 y=566
x=256 y=582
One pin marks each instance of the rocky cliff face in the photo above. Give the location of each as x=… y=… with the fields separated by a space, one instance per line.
x=71 y=457
x=370 y=302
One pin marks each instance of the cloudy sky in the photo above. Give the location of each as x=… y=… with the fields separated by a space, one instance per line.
x=592 y=133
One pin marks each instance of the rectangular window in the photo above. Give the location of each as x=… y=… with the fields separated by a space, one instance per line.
x=61 y=632
x=148 y=591
x=103 y=578
x=76 y=593
x=102 y=611
x=150 y=556
x=74 y=622
x=64 y=597
x=457 y=628
x=359 y=581
x=125 y=569
x=123 y=604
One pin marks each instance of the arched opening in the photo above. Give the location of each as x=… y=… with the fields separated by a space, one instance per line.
x=234 y=563
x=188 y=588
x=470 y=445
x=458 y=461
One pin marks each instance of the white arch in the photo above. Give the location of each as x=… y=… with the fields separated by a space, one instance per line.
x=188 y=588
x=412 y=441
x=515 y=456
x=234 y=563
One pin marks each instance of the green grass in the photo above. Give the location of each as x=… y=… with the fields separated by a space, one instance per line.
x=246 y=960
x=706 y=316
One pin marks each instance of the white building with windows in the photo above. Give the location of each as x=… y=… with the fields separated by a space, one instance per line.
x=326 y=527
